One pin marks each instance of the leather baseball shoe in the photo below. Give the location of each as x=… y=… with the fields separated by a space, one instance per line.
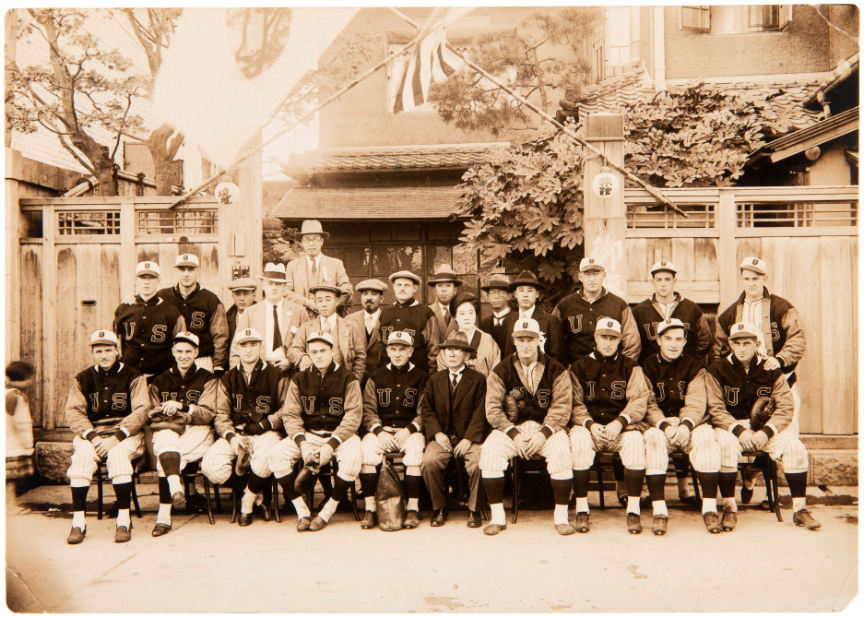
x=564 y=529
x=412 y=519
x=634 y=523
x=370 y=520
x=161 y=529
x=658 y=525
x=317 y=524
x=729 y=520
x=122 y=534
x=583 y=522
x=473 y=519
x=804 y=518
x=712 y=522
x=263 y=511
x=303 y=524
x=76 y=535
x=493 y=529
x=245 y=519
x=439 y=518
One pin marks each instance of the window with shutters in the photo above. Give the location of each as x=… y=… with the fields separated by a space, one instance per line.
x=696 y=18
x=736 y=19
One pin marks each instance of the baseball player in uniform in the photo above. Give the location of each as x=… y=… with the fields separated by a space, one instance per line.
x=444 y=283
x=497 y=288
x=528 y=404
x=734 y=382
x=322 y=412
x=679 y=423
x=182 y=402
x=106 y=409
x=666 y=303
x=580 y=311
x=248 y=401
x=203 y=312
x=610 y=397
x=407 y=314
x=243 y=294
x=393 y=425
x=147 y=324
x=452 y=409
x=369 y=320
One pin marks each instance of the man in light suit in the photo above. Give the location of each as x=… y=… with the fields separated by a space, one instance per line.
x=275 y=318
x=349 y=344
x=444 y=282
x=368 y=320
x=313 y=268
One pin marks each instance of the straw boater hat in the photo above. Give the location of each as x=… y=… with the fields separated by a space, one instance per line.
x=274 y=272
x=313 y=226
x=444 y=274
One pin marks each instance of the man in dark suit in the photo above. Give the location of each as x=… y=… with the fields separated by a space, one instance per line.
x=243 y=293
x=526 y=289
x=497 y=288
x=444 y=282
x=368 y=319
x=452 y=409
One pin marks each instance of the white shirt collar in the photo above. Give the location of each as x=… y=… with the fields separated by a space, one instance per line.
x=502 y=313
x=527 y=313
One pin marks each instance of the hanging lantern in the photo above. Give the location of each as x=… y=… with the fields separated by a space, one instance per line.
x=227 y=193
x=605 y=183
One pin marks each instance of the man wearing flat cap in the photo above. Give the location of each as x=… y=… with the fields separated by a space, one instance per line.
x=349 y=345
x=497 y=288
x=368 y=319
x=313 y=268
x=406 y=313
x=444 y=283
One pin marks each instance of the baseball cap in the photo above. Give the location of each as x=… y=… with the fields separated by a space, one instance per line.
x=526 y=327
x=187 y=337
x=405 y=274
x=103 y=337
x=147 y=269
x=608 y=326
x=247 y=334
x=187 y=259
x=591 y=263
x=372 y=284
x=325 y=337
x=400 y=337
x=740 y=330
x=669 y=323
x=664 y=265
x=754 y=264
x=243 y=283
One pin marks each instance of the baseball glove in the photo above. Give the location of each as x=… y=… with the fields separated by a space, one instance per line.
x=761 y=412
x=174 y=422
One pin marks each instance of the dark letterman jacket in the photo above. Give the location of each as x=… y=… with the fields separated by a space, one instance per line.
x=114 y=399
x=242 y=408
x=699 y=337
x=420 y=322
x=325 y=404
x=391 y=396
x=579 y=317
x=732 y=390
x=146 y=331
x=608 y=389
x=462 y=412
x=196 y=391
x=677 y=390
x=205 y=317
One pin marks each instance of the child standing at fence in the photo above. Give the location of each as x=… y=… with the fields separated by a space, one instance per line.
x=19 y=425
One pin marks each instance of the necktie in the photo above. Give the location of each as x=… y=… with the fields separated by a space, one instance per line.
x=314 y=267
x=453 y=382
x=446 y=316
x=497 y=321
x=325 y=327
x=277 y=336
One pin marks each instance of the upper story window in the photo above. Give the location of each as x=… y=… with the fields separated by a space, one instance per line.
x=730 y=19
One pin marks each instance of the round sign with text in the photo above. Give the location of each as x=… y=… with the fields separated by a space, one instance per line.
x=605 y=184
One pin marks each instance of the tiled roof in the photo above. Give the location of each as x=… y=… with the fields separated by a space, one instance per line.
x=814 y=135
x=365 y=203
x=615 y=94
x=433 y=156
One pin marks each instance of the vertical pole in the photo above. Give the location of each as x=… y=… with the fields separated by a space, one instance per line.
x=604 y=223
x=727 y=247
x=49 y=317
x=128 y=253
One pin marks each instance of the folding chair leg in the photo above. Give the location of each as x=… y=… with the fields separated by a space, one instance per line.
x=601 y=488
x=99 y=494
x=775 y=491
x=515 y=469
x=217 y=497
x=696 y=489
x=235 y=501
x=275 y=501
x=207 y=500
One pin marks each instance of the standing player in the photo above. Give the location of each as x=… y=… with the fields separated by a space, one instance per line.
x=497 y=288
x=313 y=268
x=243 y=294
x=322 y=413
x=106 y=409
x=666 y=303
x=203 y=312
x=454 y=421
x=678 y=410
x=580 y=311
x=248 y=400
x=147 y=324
x=528 y=404
x=444 y=283
x=369 y=320
x=734 y=383
x=526 y=289
x=182 y=402
x=393 y=425
x=610 y=397
x=407 y=314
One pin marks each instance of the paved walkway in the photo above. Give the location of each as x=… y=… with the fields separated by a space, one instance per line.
x=268 y=567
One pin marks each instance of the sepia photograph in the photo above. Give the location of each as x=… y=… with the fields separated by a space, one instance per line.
x=565 y=296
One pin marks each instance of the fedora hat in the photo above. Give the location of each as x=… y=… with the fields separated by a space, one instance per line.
x=444 y=274
x=496 y=281
x=457 y=340
x=526 y=277
x=313 y=226
x=275 y=272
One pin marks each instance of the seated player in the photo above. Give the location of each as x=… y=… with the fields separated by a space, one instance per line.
x=106 y=408
x=248 y=402
x=610 y=397
x=528 y=403
x=182 y=401
x=454 y=421
x=322 y=413
x=677 y=409
x=393 y=425
x=734 y=383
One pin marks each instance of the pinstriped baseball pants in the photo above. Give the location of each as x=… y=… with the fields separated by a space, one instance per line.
x=498 y=450
x=629 y=445
x=348 y=455
x=191 y=444
x=218 y=462
x=118 y=462
x=412 y=446
x=784 y=447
